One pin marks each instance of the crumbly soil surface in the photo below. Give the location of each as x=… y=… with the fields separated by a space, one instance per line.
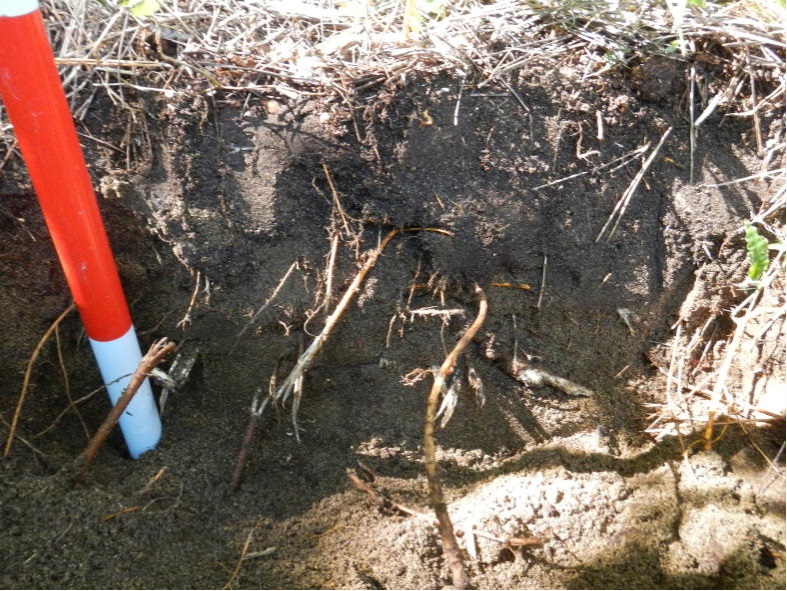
x=222 y=196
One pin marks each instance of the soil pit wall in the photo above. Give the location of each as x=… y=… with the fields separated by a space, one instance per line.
x=230 y=196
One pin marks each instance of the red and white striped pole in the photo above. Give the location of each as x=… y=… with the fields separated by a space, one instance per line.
x=33 y=96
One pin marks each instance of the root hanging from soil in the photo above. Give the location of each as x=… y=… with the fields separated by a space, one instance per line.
x=295 y=378
x=450 y=547
x=307 y=358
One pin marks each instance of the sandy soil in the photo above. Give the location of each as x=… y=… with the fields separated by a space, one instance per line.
x=238 y=193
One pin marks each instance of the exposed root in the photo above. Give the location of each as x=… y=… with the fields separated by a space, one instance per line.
x=622 y=204
x=538 y=377
x=245 y=447
x=707 y=385
x=532 y=376
x=26 y=382
x=185 y=322
x=293 y=382
x=243 y=553
x=522 y=286
x=408 y=315
x=379 y=499
x=307 y=358
x=71 y=404
x=450 y=547
x=66 y=386
x=268 y=302
x=152 y=358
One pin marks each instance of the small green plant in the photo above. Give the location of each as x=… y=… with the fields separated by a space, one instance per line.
x=757 y=251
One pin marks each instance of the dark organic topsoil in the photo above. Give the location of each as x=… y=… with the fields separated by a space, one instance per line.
x=226 y=196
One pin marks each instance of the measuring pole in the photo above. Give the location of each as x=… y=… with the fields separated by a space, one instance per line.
x=37 y=108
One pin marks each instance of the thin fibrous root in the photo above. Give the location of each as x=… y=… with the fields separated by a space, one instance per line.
x=26 y=382
x=444 y=525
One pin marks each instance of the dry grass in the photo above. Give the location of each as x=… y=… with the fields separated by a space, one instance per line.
x=274 y=48
x=712 y=382
x=343 y=50
x=320 y=46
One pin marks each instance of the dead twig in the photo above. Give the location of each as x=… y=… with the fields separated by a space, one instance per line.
x=450 y=547
x=380 y=500
x=152 y=358
x=26 y=381
x=622 y=204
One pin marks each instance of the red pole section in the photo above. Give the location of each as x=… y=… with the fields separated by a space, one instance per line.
x=37 y=108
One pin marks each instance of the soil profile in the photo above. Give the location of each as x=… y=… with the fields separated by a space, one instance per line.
x=224 y=197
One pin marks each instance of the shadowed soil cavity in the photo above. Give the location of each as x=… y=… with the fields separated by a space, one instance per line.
x=226 y=197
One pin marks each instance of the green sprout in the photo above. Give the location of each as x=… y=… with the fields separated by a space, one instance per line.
x=757 y=251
